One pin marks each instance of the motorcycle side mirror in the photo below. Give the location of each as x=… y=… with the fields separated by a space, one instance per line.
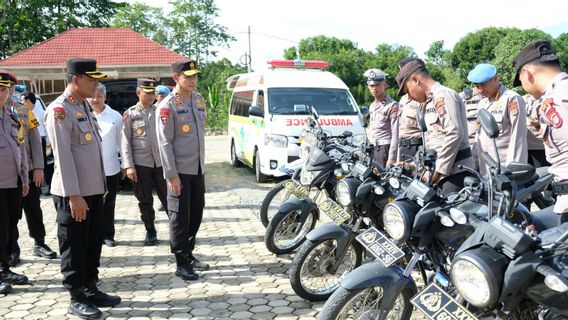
x=420 y=121
x=256 y=111
x=347 y=133
x=488 y=123
x=364 y=117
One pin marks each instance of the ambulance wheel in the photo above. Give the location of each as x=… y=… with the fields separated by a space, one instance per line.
x=260 y=177
x=234 y=160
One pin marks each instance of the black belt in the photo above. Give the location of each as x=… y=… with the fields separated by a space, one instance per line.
x=463 y=154
x=559 y=188
x=406 y=143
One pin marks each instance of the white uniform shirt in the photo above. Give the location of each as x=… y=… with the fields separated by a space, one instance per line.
x=39 y=111
x=110 y=122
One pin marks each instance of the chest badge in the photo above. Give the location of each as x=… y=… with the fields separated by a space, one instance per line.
x=139 y=131
x=88 y=137
x=185 y=128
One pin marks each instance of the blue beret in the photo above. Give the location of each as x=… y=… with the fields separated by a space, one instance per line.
x=482 y=72
x=162 y=90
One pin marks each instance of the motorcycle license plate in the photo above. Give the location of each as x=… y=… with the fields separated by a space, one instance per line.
x=296 y=189
x=436 y=304
x=380 y=246
x=334 y=211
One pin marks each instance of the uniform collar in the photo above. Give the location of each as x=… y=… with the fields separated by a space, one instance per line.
x=558 y=78
x=69 y=97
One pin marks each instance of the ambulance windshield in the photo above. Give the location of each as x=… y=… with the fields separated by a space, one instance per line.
x=296 y=101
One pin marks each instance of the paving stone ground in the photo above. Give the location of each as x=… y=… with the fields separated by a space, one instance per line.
x=245 y=281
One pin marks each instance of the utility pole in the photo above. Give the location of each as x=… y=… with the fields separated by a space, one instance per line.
x=249 y=59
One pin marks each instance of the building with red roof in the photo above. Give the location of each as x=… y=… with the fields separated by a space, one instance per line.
x=120 y=52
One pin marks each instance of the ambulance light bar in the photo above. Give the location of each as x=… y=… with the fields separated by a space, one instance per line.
x=311 y=64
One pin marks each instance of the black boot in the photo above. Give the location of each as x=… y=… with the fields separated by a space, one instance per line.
x=42 y=250
x=82 y=308
x=184 y=269
x=15 y=256
x=12 y=278
x=5 y=288
x=99 y=298
x=151 y=234
x=198 y=265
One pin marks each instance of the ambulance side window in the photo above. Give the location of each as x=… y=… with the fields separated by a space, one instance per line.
x=241 y=103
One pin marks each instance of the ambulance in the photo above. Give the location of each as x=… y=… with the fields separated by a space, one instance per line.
x=269 y=110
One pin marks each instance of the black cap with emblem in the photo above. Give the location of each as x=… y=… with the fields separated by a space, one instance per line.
x=84 y=66
x=185 y=66
x=406 y=71
x=147 y=85
x=5 y=80
x=540 y=51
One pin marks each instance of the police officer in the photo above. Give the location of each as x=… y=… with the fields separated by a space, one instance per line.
x=508 y=109
x=538 y=70
x=140 y=155
x=181 y=131
x=537 y=155
x=31 y=139
x=78 y=186
x=471 y=98
x=384 y=118
x=410 y=136
x=13 y=183
x=444 y=114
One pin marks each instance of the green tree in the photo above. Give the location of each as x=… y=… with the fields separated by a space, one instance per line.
x=437 y=55
x=146 y=20
x=561 y=46
x=24 y=23
x=193 y=31
x=476 y=47
x=509 y=47
x=212 y=84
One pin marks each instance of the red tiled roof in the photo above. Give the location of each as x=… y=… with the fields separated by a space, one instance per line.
x=109 y=46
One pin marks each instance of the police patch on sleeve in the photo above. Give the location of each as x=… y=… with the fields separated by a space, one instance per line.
x=394 y=111
x=513 y=107
x=440 y=107
x=59 y=114
x=164 y=115
x=550 y=114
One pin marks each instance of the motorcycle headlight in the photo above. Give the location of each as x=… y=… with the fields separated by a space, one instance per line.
x=306 y=176
x=478 y=274
x=305 y=150
x=359 y=139
x=345 y=191
x=275 y=140
x=397 y=219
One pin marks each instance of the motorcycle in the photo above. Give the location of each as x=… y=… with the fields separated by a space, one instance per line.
x=331 y=251
x=506 y=269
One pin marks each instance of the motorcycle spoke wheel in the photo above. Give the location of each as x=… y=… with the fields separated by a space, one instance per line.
x=290 y=231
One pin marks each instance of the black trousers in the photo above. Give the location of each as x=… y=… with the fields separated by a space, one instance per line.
x=148 y=178
x=537 y=158
x=47 y=168
x=453 y=183
x=109 y=205
x=408 y=152
x=32 y=210
x=80 y=242
x=186 y=212
x=381 y=154
x=10 y=212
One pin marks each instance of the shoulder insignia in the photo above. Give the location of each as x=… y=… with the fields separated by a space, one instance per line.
x=440 y=107
x=394 y=110
x=165 y=115
x=513 y=107
x=59 y=114
x=72 y=99
x=550 y=113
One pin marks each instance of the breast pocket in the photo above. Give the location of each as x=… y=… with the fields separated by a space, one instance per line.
x=498 y=115
x=184 y=123
x=86 y=134
x=139 y=130
x=432 y=123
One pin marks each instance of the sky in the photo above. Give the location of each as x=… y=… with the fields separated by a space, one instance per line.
x=278 y=25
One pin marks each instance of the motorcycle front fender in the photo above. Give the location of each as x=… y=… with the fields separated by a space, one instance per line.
x=375 y=274
x=328 y=231
x=305 y=206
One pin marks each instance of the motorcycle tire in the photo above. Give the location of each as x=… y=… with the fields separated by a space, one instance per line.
x=353 y=304
x=287 y=221
x=268 y=204
x=305 y=261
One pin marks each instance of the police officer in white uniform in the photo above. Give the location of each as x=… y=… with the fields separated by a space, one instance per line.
x=508 y=109
x=181 y=135
x=77 y=187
